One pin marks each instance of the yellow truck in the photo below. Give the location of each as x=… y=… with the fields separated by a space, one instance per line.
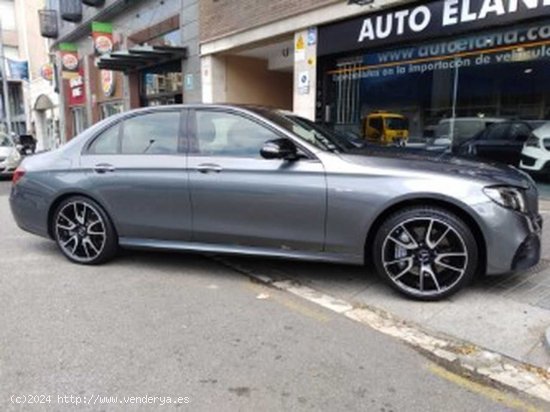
x=386 y=128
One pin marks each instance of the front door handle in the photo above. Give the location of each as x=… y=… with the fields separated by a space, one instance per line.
x=104 y=168
x=209 y=167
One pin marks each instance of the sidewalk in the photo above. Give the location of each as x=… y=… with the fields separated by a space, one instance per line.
x=507 y=314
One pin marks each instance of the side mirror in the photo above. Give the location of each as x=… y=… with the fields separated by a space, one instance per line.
x=279 y=149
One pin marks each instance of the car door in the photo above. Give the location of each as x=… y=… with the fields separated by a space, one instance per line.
x=137 y=169
x=240 y=198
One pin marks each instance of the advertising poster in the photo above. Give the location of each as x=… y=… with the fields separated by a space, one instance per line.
x=102 y=35
x=69 y=60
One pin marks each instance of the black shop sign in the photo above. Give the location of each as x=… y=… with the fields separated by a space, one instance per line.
x=423 y=21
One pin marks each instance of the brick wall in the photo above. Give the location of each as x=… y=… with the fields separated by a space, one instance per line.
x=222 y=17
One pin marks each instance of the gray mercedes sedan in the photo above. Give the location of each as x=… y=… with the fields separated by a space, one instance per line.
x=256 y=181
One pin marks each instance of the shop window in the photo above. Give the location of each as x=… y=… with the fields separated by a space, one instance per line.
x=162 y=85
x=79 y=120
x=171 y=39
x=110 y=109
x=445 y=90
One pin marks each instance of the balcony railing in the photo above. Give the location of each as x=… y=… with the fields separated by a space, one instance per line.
x=48 y=23
x=71 y=10
x=94 y=3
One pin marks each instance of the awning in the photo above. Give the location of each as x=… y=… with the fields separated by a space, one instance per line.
x=140 y=57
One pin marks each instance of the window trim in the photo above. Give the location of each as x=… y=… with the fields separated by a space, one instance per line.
x=192 y=131
x=182 y=140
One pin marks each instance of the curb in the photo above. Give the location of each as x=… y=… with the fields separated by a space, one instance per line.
x=459 y=356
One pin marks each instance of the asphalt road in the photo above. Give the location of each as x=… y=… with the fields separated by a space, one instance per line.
x=181 y=325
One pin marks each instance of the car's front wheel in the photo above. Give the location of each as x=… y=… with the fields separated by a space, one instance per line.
x=83 y=231
x=426 y=253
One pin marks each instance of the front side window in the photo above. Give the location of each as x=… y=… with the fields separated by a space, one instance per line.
x=228 y=134
x=376 y=123
x=520 y=132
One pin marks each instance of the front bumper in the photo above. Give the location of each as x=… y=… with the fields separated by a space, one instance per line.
x=7 y=169
x=513 y=239
x=535 y=159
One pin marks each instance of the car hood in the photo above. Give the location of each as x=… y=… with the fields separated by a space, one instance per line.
x=425 y=161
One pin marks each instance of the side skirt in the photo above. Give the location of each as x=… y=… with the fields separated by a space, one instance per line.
x=135 y=243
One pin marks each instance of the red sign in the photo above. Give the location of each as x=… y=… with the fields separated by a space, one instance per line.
x=76 y=90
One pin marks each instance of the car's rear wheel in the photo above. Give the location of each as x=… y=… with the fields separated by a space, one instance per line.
x=83 y=231
x=426 y=253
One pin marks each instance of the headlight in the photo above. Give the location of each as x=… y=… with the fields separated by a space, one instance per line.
x=506 y=196
x=532 y=141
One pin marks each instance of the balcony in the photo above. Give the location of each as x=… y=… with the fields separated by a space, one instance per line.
x=94 y=3
x=71 y=10
x=48 y=23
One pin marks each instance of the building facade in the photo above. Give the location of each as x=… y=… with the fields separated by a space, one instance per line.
x=340 y=62
x=116 y=55
x=17 y=64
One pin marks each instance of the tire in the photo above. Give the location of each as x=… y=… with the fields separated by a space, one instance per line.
x=83 y=231
x=425 y=267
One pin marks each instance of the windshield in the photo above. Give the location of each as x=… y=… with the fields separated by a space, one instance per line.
x=316 y=135
x=5 y=141
x=396 y=123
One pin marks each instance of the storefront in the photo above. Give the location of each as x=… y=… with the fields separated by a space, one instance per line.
x=117 y=55
x=440 y=70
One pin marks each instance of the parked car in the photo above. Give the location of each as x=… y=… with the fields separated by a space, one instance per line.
x=256 y=181
x=501 y=142
x=455 y=131
x=386 y=128
x=535 y=155
x=9 y=156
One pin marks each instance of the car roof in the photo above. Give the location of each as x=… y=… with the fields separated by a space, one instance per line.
x=473 y=118
x=251 y=107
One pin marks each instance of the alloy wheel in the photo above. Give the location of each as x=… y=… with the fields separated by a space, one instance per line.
x=81 y=231
x=424 y=256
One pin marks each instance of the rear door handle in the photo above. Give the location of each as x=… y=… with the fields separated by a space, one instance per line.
x=104 y=168
x=209 y=168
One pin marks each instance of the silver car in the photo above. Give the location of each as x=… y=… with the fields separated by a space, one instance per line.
x=9 y=156
x=254 y=181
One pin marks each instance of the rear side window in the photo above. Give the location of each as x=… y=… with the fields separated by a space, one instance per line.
x=151 y=133
x=497 y=132
x=107 y=142
x=154 y=133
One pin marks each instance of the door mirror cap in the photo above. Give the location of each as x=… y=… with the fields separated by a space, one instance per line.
x=279 y=149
